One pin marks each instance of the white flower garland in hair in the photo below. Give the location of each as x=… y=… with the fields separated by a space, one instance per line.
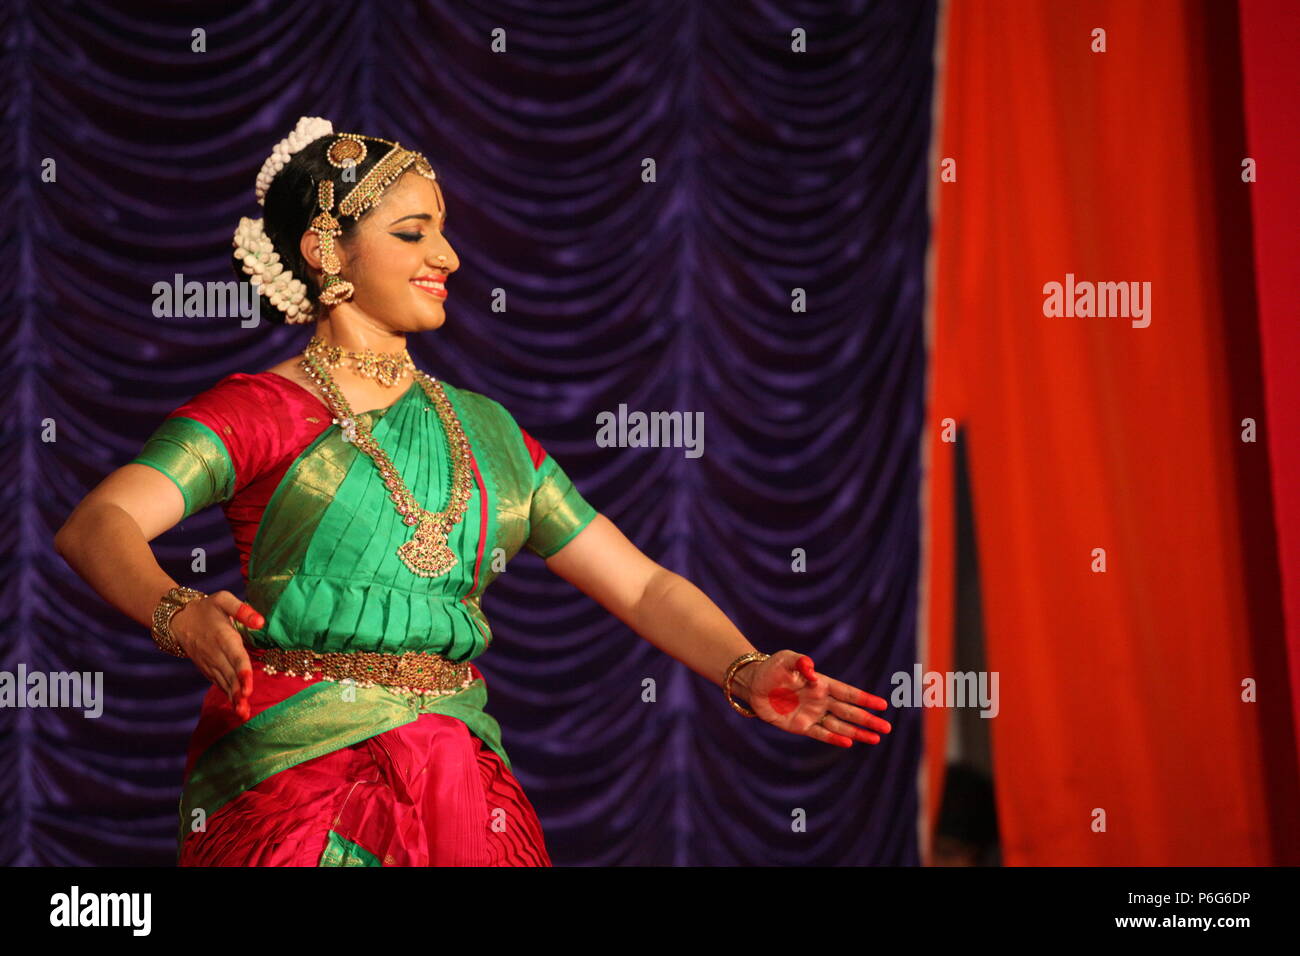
x=253 y=248
x=309 y=129
x=267 y=273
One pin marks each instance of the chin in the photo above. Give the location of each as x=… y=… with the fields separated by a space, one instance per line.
x=431 y=315
x=433 y=322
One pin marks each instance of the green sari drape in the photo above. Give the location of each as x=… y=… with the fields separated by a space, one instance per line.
x=324 y=571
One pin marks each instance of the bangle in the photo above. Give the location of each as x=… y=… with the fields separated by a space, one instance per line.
x=171 y=602
x=736 y=665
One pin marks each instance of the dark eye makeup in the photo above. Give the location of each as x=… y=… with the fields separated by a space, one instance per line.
x=417 y=236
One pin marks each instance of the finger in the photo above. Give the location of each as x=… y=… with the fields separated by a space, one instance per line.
x=805 y=666
x=819 y=732
x=212 y=667
x=855 y=695
x=218 y=663
x=845 y=729
x=249 y=617
x=236 y=657
x=244 y=613
x=218 y=670
x=243 y=705
x=856 y=715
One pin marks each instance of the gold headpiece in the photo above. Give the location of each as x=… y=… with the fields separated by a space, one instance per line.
x=351 y=148
x=347 y=151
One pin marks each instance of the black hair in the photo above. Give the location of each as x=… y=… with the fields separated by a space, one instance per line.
x=291 y=205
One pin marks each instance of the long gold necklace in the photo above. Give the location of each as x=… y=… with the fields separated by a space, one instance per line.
x=426 y=554
x=386 y=368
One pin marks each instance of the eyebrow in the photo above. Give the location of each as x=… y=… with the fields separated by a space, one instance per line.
x=419 y=215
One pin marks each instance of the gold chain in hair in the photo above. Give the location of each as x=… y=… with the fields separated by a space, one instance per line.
x=382 y=175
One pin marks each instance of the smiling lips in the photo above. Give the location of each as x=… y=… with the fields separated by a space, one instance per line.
x=434 y=286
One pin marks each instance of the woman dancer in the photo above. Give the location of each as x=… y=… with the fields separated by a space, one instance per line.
x=345 y=725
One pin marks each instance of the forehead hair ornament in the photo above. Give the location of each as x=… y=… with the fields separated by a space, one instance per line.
x=254 y=248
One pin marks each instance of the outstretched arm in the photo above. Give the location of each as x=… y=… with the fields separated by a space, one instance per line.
x=677 y=617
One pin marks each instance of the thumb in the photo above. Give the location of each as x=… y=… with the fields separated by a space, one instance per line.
x=250 y=618
x=805 y=667
x=243 y=613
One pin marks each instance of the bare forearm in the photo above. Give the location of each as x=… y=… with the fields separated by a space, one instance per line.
x=106 y=547
x=682 y=621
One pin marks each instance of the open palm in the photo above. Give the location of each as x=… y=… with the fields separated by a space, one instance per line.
x=788 y=693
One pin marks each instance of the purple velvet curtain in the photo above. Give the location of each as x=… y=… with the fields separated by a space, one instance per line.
x=780 y=176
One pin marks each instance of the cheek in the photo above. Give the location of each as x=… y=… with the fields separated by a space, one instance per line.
x=404 y=265
x=386 y=272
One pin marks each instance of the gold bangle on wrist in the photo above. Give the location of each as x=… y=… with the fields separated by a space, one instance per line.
x=171 y=602
x=736 y=665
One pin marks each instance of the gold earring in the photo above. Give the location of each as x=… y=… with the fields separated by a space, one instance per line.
x=335 y=289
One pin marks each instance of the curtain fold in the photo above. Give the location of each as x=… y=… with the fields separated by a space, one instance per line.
x=1270 y=36
x=1123 y=737
x=781 y=176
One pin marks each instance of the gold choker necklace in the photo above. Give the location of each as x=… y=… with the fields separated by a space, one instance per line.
x=387 y=368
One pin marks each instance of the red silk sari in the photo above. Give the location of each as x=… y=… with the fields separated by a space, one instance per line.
x=329 y=773
x=426 y=793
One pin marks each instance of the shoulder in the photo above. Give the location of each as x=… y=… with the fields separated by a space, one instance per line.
x=493 y=420
x=250 y=414
x=232 y=397
x=475 y=403
x=246 y=398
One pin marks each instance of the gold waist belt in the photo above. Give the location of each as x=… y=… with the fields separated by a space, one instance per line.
x=409 y=671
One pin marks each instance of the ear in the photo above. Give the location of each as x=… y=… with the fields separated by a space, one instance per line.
x=309 y=246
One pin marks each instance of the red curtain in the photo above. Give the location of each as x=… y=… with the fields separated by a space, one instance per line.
x=1270 y=35
x=1123 y=737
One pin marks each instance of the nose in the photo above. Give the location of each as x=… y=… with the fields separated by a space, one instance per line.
x=443 y=256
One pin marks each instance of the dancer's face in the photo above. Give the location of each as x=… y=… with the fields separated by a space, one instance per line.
x=392 y=257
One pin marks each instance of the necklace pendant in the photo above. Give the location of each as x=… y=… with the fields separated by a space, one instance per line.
x=427 y=554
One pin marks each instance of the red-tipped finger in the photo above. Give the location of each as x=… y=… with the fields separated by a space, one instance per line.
x=806 y=668
x=872 y=701
x=224 y=679
x=246 y=683
x=249 y=617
